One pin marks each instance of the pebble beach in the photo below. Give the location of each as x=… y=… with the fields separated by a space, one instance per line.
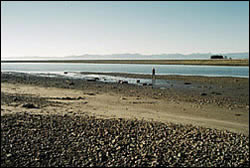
x=45 y=141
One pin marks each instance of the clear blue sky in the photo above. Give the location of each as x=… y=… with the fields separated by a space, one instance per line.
x=75 y=28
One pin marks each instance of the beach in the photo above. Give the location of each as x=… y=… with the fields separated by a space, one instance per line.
x=124 y=84
x=188 y=115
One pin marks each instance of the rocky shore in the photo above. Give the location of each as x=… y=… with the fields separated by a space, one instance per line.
x=44 y=141
x=33 y=137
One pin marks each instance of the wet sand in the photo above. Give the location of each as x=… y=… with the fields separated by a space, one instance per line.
x=214 y=110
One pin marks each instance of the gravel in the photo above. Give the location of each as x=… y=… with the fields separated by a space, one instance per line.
x=77 y=141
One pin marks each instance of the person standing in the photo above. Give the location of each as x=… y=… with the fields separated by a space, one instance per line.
x=153 y=77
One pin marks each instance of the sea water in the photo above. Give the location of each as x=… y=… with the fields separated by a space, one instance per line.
x=191 y=70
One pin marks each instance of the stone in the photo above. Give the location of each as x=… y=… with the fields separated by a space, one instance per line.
x=124 y=82
x=123 y=98
x=29 y=105
x=187 y=83
x=203 y=94
x=91 y=94
x=79 y=98
x=9 y=155
x=67 y=98
x=91 y=80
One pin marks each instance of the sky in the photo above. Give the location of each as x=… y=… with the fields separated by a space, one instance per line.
x=65 y=28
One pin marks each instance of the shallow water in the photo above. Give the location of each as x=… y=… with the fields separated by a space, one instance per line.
x=191 y=70
x=159 y=83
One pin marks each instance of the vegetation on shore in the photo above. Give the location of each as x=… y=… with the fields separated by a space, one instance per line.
x=222 y=62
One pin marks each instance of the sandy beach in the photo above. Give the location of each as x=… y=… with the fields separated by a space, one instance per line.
x=219 y=104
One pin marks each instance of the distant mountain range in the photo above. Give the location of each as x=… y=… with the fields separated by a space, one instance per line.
x=160 y=56
x=241 y=55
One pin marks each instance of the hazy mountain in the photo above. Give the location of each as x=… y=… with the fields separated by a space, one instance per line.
x=242 y=55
